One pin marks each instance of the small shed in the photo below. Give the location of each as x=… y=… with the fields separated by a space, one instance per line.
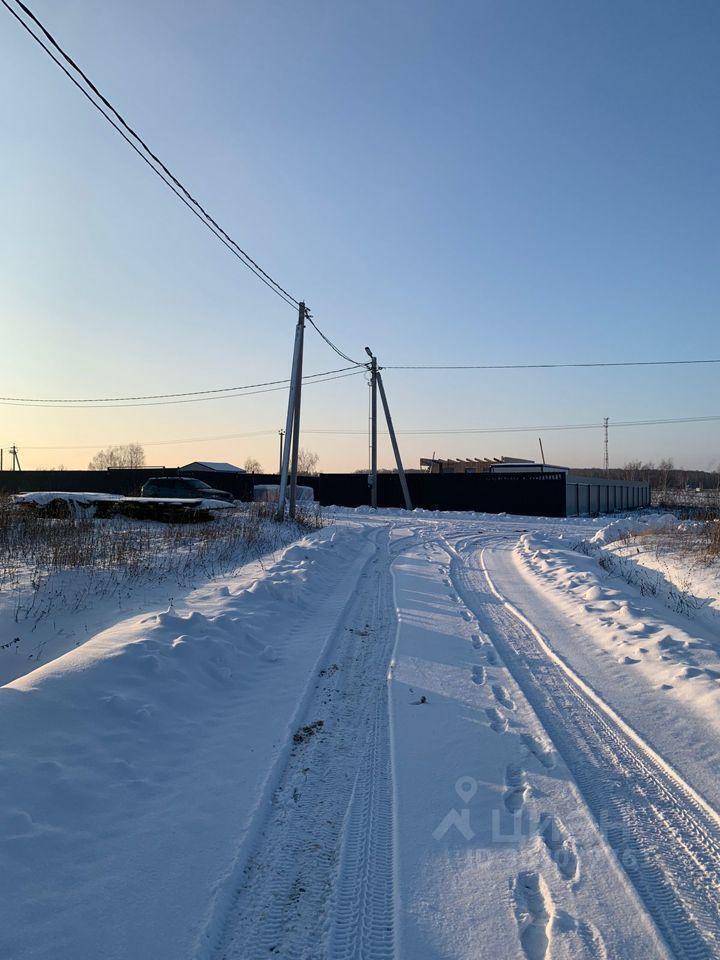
x=208 y=466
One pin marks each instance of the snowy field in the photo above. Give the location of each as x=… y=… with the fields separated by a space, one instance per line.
x=406 y=735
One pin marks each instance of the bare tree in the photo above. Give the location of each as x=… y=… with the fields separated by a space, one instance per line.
x=252 y=465
x=665 y=466
x=307 y=462
x=130 y=456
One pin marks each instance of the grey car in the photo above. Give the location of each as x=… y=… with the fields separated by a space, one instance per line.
x=183 y=487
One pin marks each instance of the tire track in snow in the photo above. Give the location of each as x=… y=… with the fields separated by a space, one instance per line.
x=322 y=869
x=362 y=914
x=666 y=837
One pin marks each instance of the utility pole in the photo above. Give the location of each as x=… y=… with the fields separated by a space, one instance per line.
x=282 y=434
x=393 y=440
x=293 y=396
x=16 y=459
x=296 y=420
x=606 y=422
x=373 y=427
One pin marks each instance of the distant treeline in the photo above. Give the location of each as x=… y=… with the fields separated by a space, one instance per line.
x=663 y=475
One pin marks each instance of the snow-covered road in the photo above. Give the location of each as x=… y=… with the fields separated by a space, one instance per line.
x=391 y=742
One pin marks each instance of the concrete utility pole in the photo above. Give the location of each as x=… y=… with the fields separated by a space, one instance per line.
x=393 y=440
x=293 y=396
x=282 y=434
x=15 y=458
x=296 y=421
x=606 y=423
x=373 y=427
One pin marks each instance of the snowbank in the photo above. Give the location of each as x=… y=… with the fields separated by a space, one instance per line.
x=270 y=493
x=44 y=497
x=640 y=628
x=132 y=764
x=630 y=526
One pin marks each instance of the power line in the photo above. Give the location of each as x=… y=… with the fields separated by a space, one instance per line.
x=164 y=173
x=547 y=366
x=162 y=443
x=164 y=396
x=330 y=343
x=163 y=403
x=338 y=432
x=121 y=126
x=471 y=431
x=353 y=365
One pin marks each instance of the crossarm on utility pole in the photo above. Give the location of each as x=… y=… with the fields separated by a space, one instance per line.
x=393 y=440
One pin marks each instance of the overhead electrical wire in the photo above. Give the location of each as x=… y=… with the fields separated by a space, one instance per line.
x=443 y=432
x=141 y=148
x=470 y=431
x=162 y=403
x=162 y=443
x=353 y=365
x=164 y=396
x=332 y=345
x=127 y=132
x=545 y=366
x=132 y=138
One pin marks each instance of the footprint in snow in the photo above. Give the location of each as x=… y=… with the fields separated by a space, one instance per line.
x=478 y=674
x=517 y=788
x=586 y=938
x=498 y=721
x=560 y=846
x=541 y=753
x=502 y=696
x=534 y=913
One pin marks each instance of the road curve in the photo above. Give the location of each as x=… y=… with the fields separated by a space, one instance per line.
x=664 y=835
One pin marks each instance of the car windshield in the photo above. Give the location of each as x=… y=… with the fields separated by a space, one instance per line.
x=197 y=484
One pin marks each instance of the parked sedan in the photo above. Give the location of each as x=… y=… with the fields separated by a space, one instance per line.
x=183 y=488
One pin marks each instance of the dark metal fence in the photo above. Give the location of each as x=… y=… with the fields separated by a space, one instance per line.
x=532 y=494
x=126 y=482
x=591 y=495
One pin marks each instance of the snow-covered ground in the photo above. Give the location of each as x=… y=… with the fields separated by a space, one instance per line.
x=413 y=735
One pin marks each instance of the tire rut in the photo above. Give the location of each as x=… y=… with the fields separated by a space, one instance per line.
x=663 y=836
x=322 y=869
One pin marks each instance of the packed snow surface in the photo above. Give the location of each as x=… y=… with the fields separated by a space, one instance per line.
x=408 y=734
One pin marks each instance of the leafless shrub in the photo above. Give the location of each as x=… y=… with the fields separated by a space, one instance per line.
x=700 y=543
x=309 y=516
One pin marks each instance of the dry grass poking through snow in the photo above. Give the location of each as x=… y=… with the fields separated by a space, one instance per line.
x=47 y=565
x=697 y=540
x=679 y=563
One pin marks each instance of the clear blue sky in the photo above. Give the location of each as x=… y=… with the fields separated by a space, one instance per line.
x=489 y=182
